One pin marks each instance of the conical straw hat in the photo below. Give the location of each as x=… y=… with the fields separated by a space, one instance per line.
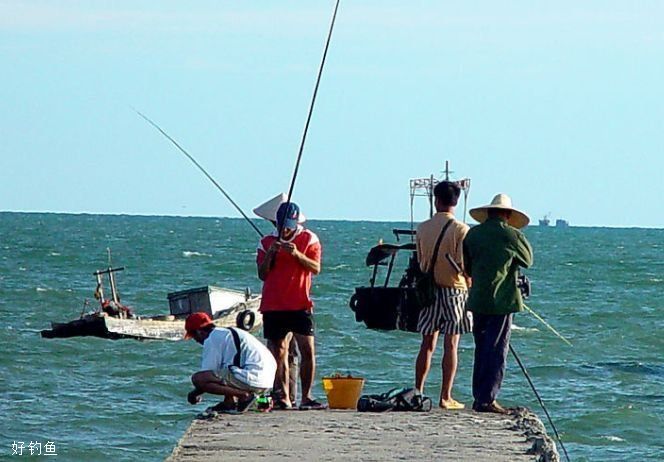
x=268 y=210
x=518 y=219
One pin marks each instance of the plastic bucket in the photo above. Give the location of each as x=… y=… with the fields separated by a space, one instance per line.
x=343 y=392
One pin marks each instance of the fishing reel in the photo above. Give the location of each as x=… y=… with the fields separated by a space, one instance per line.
x=523 y=284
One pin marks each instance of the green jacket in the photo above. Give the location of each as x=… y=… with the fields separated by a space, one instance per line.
x=493 y=253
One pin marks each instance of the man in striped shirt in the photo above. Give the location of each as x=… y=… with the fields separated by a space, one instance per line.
x=448 y=313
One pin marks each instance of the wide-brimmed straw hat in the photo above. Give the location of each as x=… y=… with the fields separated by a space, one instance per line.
x=268 y=210
x=518 y=219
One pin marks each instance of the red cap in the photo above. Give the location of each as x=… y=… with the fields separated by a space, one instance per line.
x=196 y=321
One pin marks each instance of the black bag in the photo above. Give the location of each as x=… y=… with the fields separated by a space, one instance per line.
x=397 y=400
x=425 y=283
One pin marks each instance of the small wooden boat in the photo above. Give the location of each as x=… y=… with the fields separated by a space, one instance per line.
x=113 y=320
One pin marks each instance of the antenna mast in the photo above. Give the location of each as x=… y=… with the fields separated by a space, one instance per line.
x=423 y=187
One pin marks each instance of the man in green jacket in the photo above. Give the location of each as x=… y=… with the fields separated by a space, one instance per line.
x=493 y=252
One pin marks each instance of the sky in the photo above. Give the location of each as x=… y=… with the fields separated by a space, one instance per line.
x=558 y=104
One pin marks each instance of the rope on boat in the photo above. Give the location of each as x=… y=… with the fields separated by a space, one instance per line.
x=532 y=385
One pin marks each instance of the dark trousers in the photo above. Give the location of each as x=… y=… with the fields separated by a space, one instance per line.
x=492 y=341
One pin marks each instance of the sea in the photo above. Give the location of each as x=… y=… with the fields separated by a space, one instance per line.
x=95 y=399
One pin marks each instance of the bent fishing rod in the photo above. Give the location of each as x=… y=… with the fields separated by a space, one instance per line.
x=304 y=135
x=200 y=167
x=539 y=398
x=311 y=106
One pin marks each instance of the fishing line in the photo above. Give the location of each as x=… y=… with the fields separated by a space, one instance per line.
x=532 y=385
x=311 y=106
x=189 y=156
x=549 y=326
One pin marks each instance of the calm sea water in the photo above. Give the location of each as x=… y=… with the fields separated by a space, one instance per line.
x=125 y=400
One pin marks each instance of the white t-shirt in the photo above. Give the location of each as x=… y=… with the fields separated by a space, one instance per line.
x=257 y=365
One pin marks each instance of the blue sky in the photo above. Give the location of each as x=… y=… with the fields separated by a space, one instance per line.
x=560 y=105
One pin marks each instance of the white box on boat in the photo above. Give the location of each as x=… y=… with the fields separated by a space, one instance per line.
x=209 y=299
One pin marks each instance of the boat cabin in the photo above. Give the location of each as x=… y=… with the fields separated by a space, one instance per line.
x=381 y=305
x=215 y=301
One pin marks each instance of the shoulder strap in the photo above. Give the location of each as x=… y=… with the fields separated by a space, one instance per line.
x=440 y=239
x=238 y=347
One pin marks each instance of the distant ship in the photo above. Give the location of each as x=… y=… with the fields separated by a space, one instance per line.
x=544 y=221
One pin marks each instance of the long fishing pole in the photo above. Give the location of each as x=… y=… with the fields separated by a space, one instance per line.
x=311 y=106
x=532 y=385
x=559 y=335
x=189 y=156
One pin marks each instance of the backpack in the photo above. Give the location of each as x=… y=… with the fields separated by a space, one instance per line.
x=397 y=399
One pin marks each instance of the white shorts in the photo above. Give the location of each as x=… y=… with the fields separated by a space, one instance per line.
x=229 y=379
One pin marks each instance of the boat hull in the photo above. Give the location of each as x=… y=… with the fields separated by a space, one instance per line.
x=152 y=328
x=386 y=308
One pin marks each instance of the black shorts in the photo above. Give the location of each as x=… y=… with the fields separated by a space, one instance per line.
x=277 y=324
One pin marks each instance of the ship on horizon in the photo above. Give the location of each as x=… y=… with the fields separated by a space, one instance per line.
x=545 y=222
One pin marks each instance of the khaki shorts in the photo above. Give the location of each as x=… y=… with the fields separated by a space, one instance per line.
x=229 y=379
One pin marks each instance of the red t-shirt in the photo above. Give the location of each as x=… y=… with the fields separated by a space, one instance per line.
x=287 y=285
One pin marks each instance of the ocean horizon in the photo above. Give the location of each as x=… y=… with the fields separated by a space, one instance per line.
x=469 y=220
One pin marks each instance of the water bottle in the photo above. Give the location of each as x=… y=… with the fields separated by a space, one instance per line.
x=264 y=403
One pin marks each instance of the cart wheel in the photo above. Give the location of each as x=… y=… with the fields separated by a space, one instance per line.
x=245 y=320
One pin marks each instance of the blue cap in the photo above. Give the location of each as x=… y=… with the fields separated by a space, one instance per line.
x=287 y=215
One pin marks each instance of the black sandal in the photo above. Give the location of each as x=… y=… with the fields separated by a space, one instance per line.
x=244 y=405
x=281 y=405
x=312 y=405
x=223 y=408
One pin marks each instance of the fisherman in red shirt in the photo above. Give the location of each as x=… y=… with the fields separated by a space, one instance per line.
x=285 y=264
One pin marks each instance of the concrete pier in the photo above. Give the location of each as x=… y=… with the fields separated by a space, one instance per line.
x=349 y=435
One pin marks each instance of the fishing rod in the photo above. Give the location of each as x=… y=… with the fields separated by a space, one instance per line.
x=523 y=284
x=559 y=335
x=190 y=157
x=532 y=385
x=301 y=150
x=311 y=106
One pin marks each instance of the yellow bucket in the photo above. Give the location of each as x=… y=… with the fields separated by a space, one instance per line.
x=343 y=392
